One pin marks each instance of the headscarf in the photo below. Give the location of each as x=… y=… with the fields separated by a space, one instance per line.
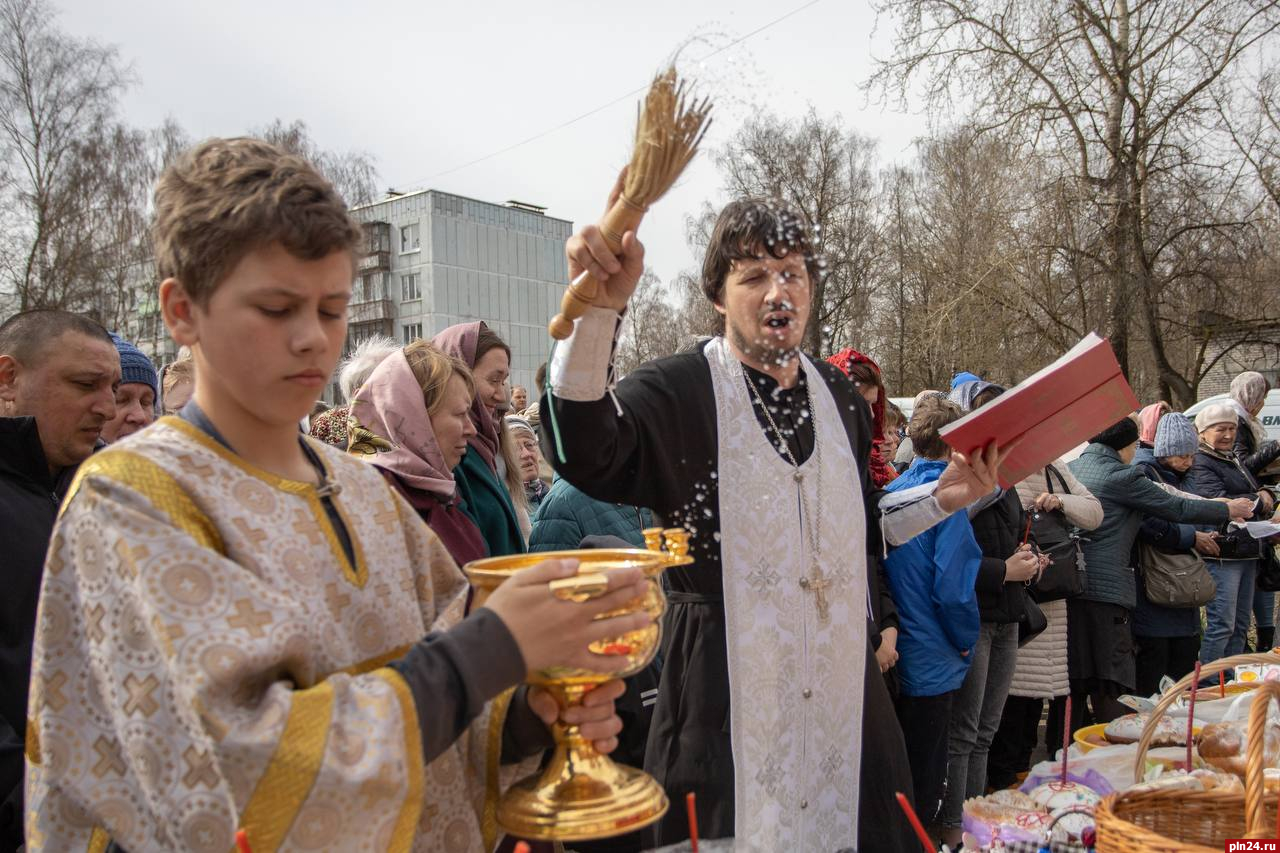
x=1248 y=391
x=963 y=377
x=881 y=471
x=461 y=341
x=390 y=405
x=1149 y=420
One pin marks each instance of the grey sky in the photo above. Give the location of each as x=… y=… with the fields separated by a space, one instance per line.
x=428 y=86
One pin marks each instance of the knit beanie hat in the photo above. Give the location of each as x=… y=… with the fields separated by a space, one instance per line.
x=1218 y=413
x=1175 y=436
x=135 y=367
x=1119 y=435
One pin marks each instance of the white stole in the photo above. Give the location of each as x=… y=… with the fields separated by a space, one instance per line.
x=796 y=684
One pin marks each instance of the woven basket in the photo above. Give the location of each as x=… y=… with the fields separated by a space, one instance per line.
x=1193 y=821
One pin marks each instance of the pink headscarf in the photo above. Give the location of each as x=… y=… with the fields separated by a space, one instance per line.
x=390 y=404
x=460 y=341
x=1149 y=419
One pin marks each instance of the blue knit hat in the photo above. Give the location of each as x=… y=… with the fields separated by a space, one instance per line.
x=135 y=367
x=1175 y=436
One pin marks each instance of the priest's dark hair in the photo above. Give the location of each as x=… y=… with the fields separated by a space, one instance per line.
x=750 y=227
x=24 y=336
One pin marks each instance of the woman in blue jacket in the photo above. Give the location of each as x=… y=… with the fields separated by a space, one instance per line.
x=932 y=578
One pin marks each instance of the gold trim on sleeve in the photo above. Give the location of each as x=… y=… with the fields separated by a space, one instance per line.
x=492 y=762
x=140 y=474
x=407 y=823
x=32 y=745
x=286 y=783
x=377 y=662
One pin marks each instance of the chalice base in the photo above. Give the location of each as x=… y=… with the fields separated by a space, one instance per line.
x=581 y=796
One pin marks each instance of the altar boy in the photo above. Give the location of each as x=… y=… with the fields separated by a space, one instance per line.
x=243 y=628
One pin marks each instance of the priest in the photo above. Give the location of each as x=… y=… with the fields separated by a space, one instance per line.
x=771 y=706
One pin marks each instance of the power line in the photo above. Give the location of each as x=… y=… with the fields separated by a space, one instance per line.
x=605 y=106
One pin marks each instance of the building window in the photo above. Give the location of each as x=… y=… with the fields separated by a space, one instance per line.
x=410 y=240
x=411 y=332
x=410 y=287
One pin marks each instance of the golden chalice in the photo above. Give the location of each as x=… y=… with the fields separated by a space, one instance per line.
x=582 y=795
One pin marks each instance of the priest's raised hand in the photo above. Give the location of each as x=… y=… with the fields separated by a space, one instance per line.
x=617 y=274
x=551 y=631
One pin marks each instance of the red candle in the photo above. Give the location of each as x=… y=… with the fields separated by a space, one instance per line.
x=242 y=841
x=915 y=823
x=1191 y=714
x=1066 y=736
x=691 y=806
x=522 y=847
x=1222 y=685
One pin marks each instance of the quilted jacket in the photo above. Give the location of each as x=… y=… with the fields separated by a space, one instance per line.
x=567 y=515
x=1127 y=496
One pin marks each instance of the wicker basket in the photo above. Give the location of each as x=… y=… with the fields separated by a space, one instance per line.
x=1193 y=821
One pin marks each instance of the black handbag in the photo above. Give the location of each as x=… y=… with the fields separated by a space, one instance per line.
x=1057 y=539
x=1033 y=622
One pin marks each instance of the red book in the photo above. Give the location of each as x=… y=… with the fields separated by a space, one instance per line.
x=1049 y=412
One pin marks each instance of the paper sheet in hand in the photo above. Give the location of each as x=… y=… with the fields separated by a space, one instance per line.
x=1049 y=412
x=1259 y=529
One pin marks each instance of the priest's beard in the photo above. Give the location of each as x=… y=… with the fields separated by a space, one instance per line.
x=763 y=352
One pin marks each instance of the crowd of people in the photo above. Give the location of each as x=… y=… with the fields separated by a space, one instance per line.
x=215 y=623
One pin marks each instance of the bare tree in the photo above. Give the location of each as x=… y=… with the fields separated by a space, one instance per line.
x=1120 y=90
x=352 y=173
x=57 y=103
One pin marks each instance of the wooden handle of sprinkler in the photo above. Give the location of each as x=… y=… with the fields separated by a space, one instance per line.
x=581 y=294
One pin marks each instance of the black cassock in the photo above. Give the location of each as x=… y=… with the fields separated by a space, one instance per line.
x=662 y=454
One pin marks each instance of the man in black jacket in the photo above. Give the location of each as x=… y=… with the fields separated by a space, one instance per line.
x=58 y=378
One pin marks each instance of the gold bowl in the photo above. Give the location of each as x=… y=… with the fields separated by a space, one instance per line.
x=581 y=795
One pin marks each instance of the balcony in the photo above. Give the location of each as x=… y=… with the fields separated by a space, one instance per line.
x=375 y=262
x=371 y=311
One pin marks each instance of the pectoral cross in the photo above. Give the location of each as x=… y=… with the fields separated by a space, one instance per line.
x=817 y=583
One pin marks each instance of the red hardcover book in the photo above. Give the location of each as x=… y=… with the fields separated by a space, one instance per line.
x=1049 y=412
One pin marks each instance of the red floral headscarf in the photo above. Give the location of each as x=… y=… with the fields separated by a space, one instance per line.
x=882 y=472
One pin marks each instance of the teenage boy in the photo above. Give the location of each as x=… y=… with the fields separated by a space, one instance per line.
x=243 y=628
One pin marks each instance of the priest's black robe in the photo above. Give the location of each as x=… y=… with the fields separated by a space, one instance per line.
x=662 y=454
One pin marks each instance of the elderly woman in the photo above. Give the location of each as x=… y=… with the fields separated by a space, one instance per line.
x=527 y=458
x=1253 y=448
x=413 y=421
x=481 y=473
x=1218 y=473
x=1101 y=659
x=1256 y=453
x=1168 y=638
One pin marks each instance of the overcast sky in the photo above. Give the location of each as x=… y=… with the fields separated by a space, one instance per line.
x=427 y=87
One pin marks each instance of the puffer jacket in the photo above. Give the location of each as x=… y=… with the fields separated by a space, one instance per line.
x=1041 y=670
x=567 y=515
x=1220 y=474
x=1127 y=496
x=998 y=532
